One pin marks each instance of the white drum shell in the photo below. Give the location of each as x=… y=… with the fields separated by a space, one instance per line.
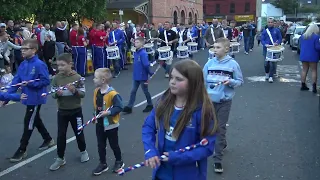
x=113 y=52
x=164 y=53
x=182 y=52
x=275 y=55
x=193 y=47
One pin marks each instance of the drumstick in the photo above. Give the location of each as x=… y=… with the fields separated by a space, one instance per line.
x=159 y=66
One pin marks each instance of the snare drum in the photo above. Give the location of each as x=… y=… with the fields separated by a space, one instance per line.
x=275 y=53
x=211 y=53
x=193 y=47
x=182 y=52
x=113 y=52
x=149 y=48
x=164 y=53
x=234 y=47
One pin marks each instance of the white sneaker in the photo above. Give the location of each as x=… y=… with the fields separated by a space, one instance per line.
x=57 y=164
x=84 y=156
x=270 y=80
x=267 y=76
x=167 y=75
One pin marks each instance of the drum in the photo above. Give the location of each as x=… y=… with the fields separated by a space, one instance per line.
x=234 y=47
x=149 y=48
x=275 y=53
x=90 y=69
x=211 y=53
x=113 y=52
x=193 y=47
x=164 y=53
x=182 y=52
x=133 y=49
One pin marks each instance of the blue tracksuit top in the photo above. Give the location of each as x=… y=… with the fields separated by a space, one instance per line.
x=31 y=69
x=189 y=165
x=141 y=65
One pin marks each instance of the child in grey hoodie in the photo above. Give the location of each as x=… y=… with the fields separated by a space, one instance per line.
x=221 y=74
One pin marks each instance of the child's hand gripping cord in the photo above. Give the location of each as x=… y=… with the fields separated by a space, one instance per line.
x=82 y=79
x=80 y=128
x=203 y=142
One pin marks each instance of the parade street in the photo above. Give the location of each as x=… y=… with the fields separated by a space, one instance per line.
x=273 y=131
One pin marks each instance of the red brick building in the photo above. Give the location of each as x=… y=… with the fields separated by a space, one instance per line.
x=239 y=10
x=156 y=11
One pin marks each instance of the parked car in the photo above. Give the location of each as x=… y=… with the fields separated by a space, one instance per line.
x=298 y=47
x=294 y=37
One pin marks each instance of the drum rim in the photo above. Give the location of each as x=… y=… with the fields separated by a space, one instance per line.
x=193 y=43
x=164 y=49
x=180 y=48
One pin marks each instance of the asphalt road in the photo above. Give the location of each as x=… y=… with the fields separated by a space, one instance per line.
x=273 y=131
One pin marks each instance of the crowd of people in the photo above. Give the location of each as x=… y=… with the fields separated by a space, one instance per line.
x=196 y=105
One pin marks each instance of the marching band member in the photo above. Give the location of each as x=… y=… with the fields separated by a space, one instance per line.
x=213 y=33
x=73 y=41
x=151 y=36
x=80 y=62
x=270 y=37
x=168 y=37
x=235 y=32
x=31 y=68
x=227 y=31
x=100 y=59
x=116 y=38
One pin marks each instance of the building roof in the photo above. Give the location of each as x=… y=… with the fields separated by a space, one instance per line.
x=124 y=4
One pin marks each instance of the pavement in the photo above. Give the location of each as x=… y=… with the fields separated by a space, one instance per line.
x=273 y=131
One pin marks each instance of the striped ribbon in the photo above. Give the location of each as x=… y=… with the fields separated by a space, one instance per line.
x=19 y=84
x=203 y=142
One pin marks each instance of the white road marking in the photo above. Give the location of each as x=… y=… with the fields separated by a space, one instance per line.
x=22 y=163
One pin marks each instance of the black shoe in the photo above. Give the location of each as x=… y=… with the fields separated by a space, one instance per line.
x=148 y=108
x=127 y=110
x=46 y=145
x=118 y=165
x=218 y=168
x=304 y=87
x=314 y=88
x=125 y=68
x=18 y=156
x=100 y=169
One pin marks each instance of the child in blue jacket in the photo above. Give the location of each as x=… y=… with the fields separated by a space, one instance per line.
x=141 y=72
x=30 y=69
x=183 y=116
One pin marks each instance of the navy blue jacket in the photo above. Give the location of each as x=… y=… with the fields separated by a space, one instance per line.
x=31 y=69
x=141 y=66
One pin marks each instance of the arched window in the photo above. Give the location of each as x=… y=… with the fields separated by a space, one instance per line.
x=232 y=8
x=175 y=17
x=183 y=17
x=195 y=18
x=190 y=17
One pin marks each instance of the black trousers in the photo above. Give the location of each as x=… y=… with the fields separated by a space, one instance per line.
x=102 y=137
x=31 y=120
x=75 y=118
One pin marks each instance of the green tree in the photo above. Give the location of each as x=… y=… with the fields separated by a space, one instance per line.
x=71 y=10
x=18 y=9
x=288 y=6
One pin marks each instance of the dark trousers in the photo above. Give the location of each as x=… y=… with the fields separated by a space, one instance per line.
x=49 y=65
x=32 y=119
x=102 y=137
x=75 y=118
x=134 y=90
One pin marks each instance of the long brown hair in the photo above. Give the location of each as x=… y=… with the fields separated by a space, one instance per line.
x=197 y=96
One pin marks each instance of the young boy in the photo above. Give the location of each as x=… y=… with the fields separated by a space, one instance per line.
x=31 y=68
x=107 y=103
x=222 y=68
x=141 y=72
x=69 y=108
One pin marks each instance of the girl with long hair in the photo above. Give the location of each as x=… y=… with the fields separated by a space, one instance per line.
x=183 y=116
